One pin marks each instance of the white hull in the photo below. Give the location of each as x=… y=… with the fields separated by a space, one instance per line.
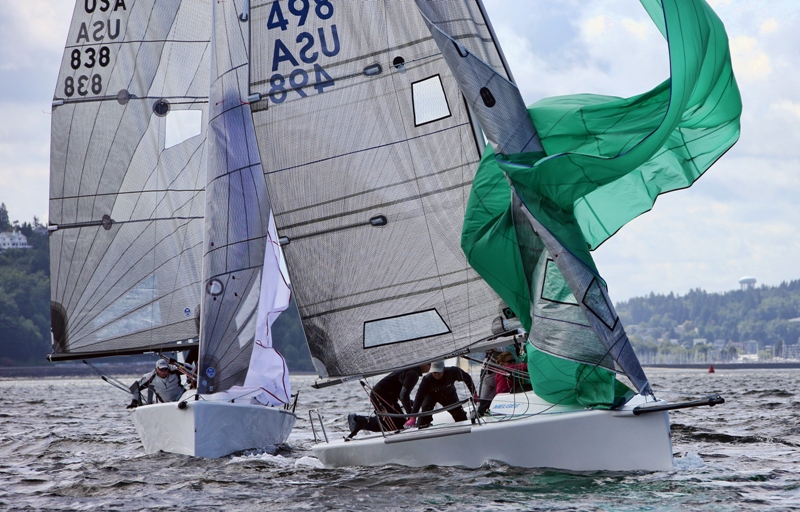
x=211 y=428
x=558 y=437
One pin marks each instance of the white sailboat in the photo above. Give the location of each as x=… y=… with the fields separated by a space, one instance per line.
x=371 y=118
x=162 y=239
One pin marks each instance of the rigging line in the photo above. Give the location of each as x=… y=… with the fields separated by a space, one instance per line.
x=233 y=244
x=97 y=223
x=193 y=100
x=121 y=193
x=231 y=172
x=404 y=283
x=238 y=105
x=141 y=41
x=354 y=152
x=371 y=190
x=372 y=208
x=395 y=297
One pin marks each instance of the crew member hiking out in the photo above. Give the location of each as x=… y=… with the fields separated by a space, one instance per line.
x=384 y=396
x=164 y=381
x=438 y=387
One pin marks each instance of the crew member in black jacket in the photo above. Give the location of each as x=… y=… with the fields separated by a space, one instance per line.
x=385 y=395
x=438 y=386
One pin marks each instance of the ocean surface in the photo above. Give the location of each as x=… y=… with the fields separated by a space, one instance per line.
x=68 y=444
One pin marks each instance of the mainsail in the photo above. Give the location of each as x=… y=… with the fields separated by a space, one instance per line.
x=369 y=150
x=245 y=287
x=128 y=162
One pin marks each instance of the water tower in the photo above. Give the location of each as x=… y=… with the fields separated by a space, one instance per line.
x=747 y=283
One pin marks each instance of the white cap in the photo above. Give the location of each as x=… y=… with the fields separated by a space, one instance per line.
x=437 y=367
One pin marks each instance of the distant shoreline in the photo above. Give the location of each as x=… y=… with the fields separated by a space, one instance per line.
x=83 y=370
x=139 y=368
x=727 y=366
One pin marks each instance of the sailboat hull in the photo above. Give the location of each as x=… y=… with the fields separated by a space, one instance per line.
x=577 y=440
x=211 y=429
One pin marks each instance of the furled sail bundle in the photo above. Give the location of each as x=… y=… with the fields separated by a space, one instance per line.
x=128 y=161
x=369 y=151
x=536 y=212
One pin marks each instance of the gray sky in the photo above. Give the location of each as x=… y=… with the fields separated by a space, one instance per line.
x=741 y=218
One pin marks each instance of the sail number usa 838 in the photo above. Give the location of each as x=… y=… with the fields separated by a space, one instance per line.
x=92 y=53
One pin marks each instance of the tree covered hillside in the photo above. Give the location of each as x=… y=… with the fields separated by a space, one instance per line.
x=24 y=298
x=764 y=314
x=25 y=305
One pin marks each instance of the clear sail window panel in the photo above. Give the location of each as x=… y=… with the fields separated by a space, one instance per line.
x=597 y=304
x=182 y=125
x=398 y=329
x=430 y=102
x=142 y=293
x=144 y=319
x=554 y=287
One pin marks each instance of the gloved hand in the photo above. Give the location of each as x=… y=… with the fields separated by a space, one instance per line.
x=133 y=405
x=411 y=423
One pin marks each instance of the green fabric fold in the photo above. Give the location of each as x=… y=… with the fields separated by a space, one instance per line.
x=606 y=160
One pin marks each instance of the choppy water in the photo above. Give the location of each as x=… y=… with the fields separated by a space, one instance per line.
x=68 y=444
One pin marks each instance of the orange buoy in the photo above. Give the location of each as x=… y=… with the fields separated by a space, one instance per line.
x=711 y=369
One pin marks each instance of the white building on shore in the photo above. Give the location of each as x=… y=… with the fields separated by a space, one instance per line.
x=13 y=240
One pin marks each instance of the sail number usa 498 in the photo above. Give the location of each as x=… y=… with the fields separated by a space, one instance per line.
x=306 y=48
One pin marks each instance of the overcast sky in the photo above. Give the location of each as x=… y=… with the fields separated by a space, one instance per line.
x=740 y=219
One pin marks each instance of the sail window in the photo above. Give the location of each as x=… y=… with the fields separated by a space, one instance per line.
x=596 y=302
x=145 y=318
x=183 y=125
x=430 y=102
x=115 y=324
x=409 y=327
x=555 y=287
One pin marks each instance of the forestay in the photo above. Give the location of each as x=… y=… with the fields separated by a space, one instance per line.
x=127 y=177
x=369 y=152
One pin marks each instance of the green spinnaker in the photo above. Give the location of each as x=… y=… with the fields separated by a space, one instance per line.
x=605 y=161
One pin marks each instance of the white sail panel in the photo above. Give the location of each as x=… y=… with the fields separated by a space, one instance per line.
x=126 y=208
x=369 y=185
